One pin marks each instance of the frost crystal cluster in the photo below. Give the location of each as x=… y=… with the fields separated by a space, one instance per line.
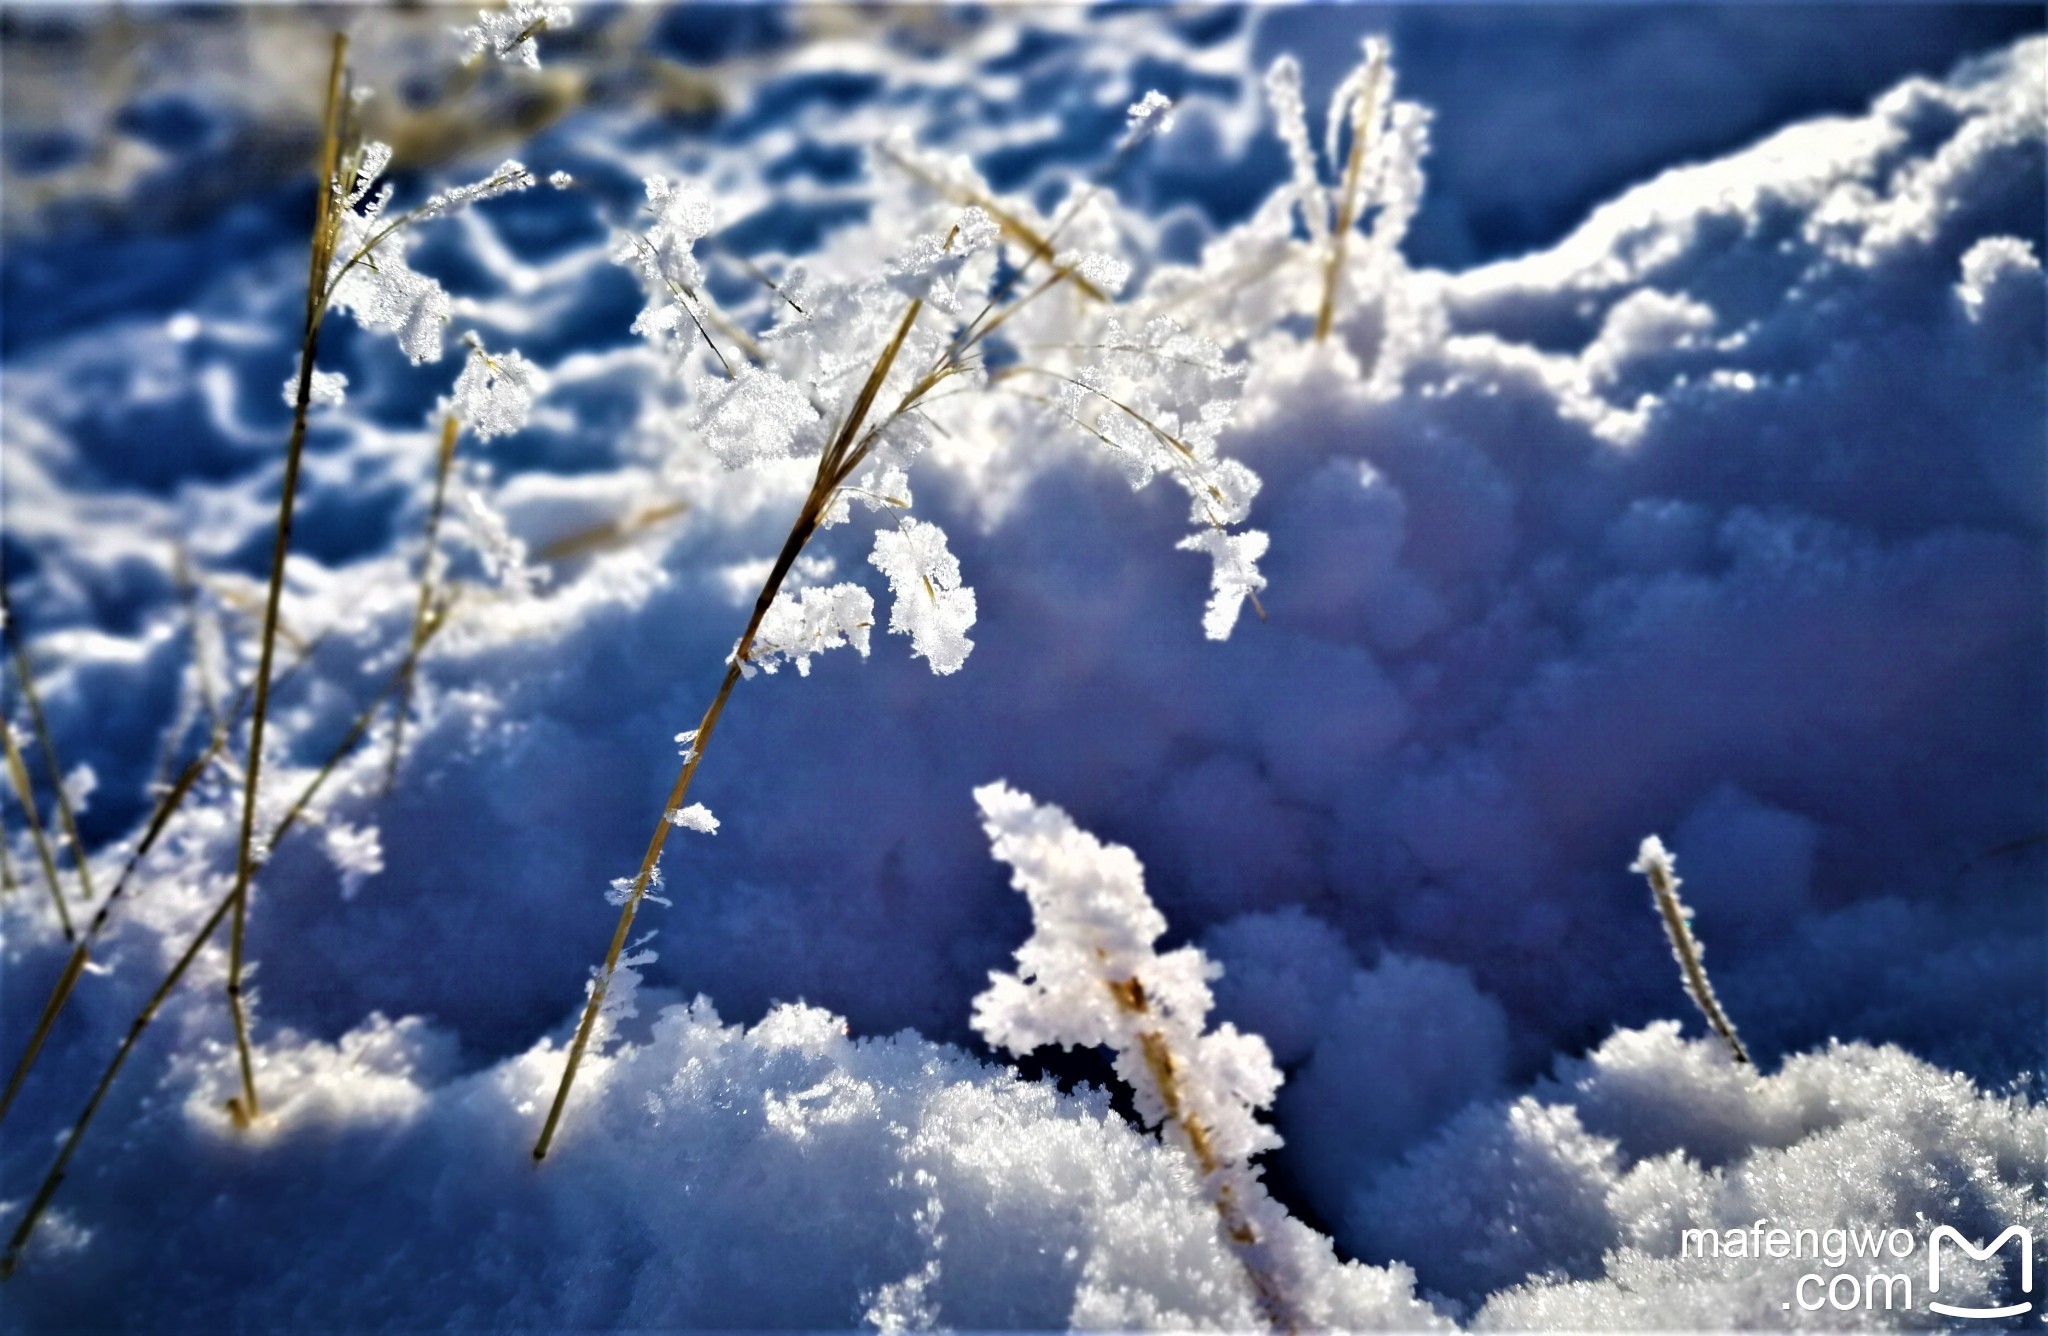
x=494 y=394
x=509 y=33
x=1090 y=975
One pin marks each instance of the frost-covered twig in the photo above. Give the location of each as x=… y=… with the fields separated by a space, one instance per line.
x=759 y=413
x=1365 y=89
x=1090 y=976
x=1659 y=867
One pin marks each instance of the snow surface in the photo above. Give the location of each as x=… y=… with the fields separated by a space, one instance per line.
x=1718 y=515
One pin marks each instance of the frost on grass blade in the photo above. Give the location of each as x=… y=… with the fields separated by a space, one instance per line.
x=508 y=33
x=510 y=177
x=931 y=607
x=1150 y=115
x=695 y=817
x=1290 y=116
x=503 y=556
x=1107 y=272
x=369 y=278
x=810 y=621
x=1089 y=975
x=754 y=417
x=621 y=889
x=938 y=266
x=329 y=389
x=494 y=394
x=1235 y=578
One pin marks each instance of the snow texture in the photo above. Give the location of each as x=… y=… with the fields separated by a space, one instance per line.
x=1674 y=463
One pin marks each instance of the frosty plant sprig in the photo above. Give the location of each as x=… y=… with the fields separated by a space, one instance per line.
x=852 y=376
x=1090 y=976
x=1660 y=868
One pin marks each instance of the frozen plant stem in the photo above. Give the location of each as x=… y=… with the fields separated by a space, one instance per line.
x=835 y=464
x=1362 y=123
x=17 y=774
x=1237 y=1226
x=316 y=287
x=1657 y=865
x=451 y=430
x=65 y=816
x=54 y=1178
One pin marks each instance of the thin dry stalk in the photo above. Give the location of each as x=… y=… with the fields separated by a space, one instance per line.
x=1238 y=1227
x=316 y=291
x=610 y=533
x=9 y=883
x=835 y=464
x=54 y=1178
x=55 y=772
x=1362 y=126
x=451 y=430
x=17 y=774
x=1656 y=865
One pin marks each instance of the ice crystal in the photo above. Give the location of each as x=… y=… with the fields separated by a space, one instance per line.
x=811 y=621
x=1107 y=272
x=510 y=177
x=504 y=556
x=508 y=33
x=329 y=389
x=931 y=607
x=1150 y=115
x=938 y=266
x=695 y=817
x=494 y=394
x=357 y=853
x=753 y=417
x=1290 y=115
x=1235 y=578
x=621 y=889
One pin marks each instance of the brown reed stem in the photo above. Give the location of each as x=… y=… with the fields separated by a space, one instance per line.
x=834 y=464
x=54 y=1178
x=316 y=292
x=17 y=774
x=451 y=430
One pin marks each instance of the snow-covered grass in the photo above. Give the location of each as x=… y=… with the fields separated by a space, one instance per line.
x=1720 y=516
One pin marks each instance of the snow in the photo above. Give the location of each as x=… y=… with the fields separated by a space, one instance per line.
x=1675 y=473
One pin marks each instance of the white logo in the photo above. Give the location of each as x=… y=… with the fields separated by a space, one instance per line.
x=1982 y=1254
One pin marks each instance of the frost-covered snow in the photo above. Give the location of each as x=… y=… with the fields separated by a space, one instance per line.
x=1717 y=515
